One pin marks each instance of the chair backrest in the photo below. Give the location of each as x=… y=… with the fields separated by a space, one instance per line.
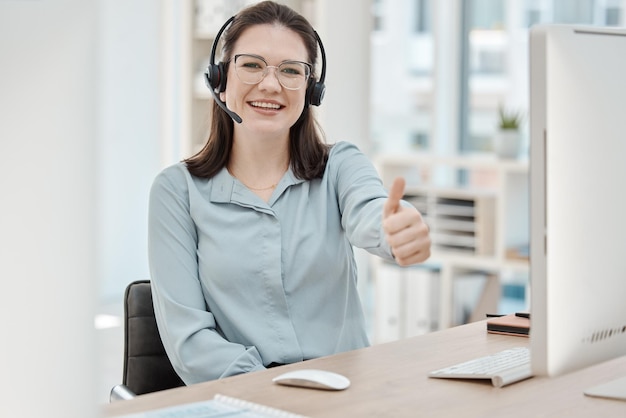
x=146 y=366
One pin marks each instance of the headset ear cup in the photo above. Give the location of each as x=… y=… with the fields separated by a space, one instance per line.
x=221 y=68
x=215 y=77
x=211 y=76
x=315 y=93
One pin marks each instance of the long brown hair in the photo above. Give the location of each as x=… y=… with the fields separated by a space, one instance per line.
x=307 y=150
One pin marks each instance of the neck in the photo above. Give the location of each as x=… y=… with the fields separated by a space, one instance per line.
x=259 y=162
x=259 y=158
x=259 y=173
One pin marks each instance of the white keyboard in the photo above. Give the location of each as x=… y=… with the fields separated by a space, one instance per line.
x=502 y=368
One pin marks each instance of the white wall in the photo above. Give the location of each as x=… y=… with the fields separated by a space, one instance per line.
x=47 y=178
x=80 y=137
x=129 y=120
x=344 y=27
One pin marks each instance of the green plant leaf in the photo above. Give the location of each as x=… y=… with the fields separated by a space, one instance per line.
x=509 y=119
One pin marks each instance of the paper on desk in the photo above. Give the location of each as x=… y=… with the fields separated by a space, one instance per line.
x=219 y=406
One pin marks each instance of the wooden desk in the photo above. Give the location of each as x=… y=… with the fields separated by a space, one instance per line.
x=390 y=380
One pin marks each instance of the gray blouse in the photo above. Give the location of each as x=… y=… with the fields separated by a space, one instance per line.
x=239 y=283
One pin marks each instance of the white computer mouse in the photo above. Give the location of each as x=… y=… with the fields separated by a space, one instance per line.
x=313 y=378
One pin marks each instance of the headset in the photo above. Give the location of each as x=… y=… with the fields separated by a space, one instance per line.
x=215 y=77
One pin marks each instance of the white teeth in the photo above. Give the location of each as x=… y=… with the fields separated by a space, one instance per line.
x=265 y=105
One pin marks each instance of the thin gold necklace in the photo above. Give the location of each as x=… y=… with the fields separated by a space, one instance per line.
x=256 y=189
x=273 y=186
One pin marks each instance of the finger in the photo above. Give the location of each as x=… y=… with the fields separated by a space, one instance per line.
x=395 y=194
x=413 y=251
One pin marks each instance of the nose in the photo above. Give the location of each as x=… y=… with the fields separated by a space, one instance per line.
x=270 y=83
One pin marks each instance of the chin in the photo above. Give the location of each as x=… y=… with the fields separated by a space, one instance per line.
x=270 y=124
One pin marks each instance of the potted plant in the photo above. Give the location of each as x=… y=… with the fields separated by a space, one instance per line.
x=507 y=139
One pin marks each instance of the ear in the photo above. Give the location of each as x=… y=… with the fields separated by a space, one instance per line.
x=223 y=96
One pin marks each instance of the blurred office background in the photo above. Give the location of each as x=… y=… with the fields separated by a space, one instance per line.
x=406 y=78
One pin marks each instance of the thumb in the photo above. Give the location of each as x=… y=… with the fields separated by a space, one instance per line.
x=395 y=194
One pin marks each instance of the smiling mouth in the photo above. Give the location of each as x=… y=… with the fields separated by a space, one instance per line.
x=264 y=105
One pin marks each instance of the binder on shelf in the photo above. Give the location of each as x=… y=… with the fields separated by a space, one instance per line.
x=467 y=290
x=421 y=301
x=388 y=315
x=406 y=302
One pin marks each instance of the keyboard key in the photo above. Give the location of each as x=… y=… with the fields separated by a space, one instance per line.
x=502 y=368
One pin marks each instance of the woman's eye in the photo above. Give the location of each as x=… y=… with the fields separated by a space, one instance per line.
x=251 y=65
x=291 y=71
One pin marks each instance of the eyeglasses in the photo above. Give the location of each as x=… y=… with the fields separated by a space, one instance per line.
x=251 y=69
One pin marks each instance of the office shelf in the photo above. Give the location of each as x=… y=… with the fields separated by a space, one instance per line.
x=459 y=222
x=476 y=207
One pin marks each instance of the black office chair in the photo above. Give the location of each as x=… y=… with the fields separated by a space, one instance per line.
x=146 y=366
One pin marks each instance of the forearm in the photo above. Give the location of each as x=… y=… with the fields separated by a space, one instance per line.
x=188 y=329
x=196 y=350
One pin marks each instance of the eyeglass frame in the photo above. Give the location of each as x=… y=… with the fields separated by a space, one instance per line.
x=266 y=70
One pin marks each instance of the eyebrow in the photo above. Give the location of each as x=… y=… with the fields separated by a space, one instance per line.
x=265 y=60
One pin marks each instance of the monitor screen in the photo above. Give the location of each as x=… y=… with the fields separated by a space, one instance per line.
x=577 y=196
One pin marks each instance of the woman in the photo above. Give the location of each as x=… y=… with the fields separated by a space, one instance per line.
x=250 y=240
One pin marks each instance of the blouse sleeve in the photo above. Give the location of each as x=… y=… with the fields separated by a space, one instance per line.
x=361 y=197
x=188 y=329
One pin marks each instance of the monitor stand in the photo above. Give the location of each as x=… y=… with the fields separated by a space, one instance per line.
x=615 y=389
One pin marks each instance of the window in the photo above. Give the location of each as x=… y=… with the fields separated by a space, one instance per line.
x=423 y=17
x=496 y=71
x=493 y=35
x=402 y=75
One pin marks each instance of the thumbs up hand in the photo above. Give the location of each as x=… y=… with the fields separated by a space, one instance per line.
x=405 y=231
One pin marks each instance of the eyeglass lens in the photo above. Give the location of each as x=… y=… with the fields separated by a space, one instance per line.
x=251 y=69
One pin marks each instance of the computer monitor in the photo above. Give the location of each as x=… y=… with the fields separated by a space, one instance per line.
x=577 y=196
